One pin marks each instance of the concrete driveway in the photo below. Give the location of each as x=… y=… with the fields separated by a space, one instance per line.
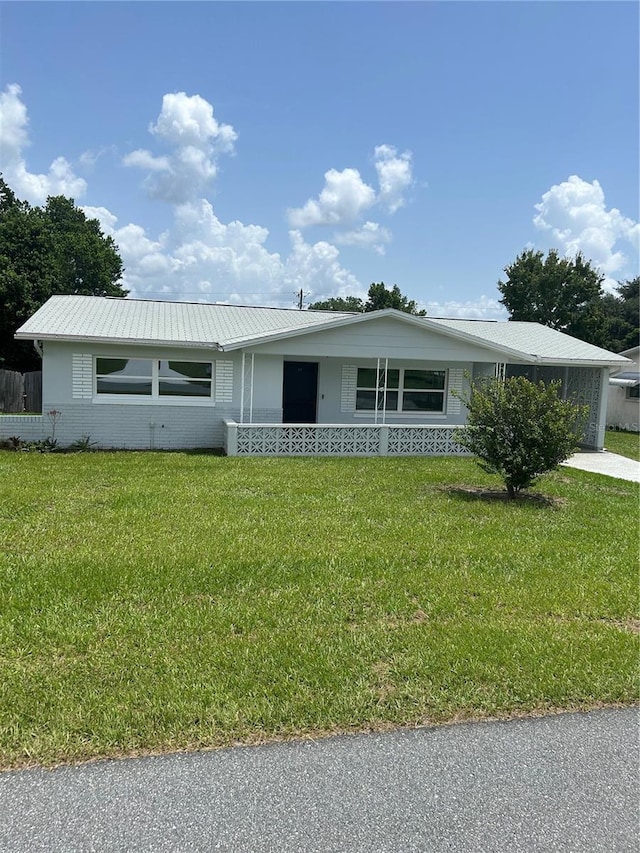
x=558 y=783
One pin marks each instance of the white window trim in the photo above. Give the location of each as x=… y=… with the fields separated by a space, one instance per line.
x=154 y=399
x=401 y=390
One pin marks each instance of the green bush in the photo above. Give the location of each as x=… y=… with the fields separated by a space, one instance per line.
x=519 y=429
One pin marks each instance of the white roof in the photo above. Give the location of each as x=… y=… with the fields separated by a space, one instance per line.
x=94 y=318
x=538 y=342
x=228 y=327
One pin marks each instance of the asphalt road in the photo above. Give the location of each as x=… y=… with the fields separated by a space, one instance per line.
x=566 y=782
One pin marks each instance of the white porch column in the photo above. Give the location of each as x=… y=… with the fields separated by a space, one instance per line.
x=602 y=408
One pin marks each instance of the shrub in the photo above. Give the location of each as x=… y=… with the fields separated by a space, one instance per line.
x=520 y=430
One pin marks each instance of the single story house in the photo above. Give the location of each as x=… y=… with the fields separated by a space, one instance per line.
x=623 y=407
x=132 y=373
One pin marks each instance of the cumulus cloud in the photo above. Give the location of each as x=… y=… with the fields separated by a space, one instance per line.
x=395 y=176
x=201 y=258
x=371 y=235
x=343 y=198
x=14 y=138
x=346 y=197
x=575 y=213
x=315 y=268
x=187 y=126
x=484 y=308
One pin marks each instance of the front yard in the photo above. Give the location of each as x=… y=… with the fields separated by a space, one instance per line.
x=159 y=601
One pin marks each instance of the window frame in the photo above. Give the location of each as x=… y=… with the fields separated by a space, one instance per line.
x=401 y=389
x=155 y=398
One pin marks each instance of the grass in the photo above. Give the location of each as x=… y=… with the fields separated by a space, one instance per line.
x=624 y=443
x=163 y=601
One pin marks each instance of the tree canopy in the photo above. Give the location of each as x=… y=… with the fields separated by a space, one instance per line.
x=45 y=251
x=562 y=293
x=378 y=297
x=566 y=294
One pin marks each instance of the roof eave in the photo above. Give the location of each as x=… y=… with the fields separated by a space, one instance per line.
x=96 y=339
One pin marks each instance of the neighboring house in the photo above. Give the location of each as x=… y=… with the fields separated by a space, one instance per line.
x=623 y=407
x=146 y=374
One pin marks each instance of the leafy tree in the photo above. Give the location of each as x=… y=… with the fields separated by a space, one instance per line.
x=622 y=313
x=520 y=430
x=44 y=251
x=379 y=297
x=351 y=304
x=563 y=293
x=382 y=297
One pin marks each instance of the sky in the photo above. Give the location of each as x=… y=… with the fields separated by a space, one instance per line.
x=243 y=151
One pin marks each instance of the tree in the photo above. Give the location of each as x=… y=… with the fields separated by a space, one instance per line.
x=379 y=297
x=563 y=293
x=622 y=314
x=44 y=251
x=520 y=430
x=352 y=304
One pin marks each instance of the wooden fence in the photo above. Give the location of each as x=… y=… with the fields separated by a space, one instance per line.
x=20 y=392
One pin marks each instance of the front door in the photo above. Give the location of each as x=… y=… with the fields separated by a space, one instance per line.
x=300 y=392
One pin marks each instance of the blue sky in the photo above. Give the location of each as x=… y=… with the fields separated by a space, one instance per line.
x=242 y=151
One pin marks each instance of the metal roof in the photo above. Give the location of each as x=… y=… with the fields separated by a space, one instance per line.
x=93 y=318
x=539 y=343
x=227 y=327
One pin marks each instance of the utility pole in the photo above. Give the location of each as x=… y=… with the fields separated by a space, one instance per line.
x=300 y=295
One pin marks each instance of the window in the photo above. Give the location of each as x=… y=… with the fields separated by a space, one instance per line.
x=407 y=390
x=633 y=393
x=154 y=378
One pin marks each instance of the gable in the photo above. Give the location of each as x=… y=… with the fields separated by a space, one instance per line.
x=379 y=337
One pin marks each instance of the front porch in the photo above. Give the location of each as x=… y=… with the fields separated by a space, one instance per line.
x=250 y=439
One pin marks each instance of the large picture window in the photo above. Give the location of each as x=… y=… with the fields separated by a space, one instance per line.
x=407 y=390
x=154 y=378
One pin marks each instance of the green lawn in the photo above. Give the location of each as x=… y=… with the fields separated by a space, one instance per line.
x=624 y=443
x=155 y=601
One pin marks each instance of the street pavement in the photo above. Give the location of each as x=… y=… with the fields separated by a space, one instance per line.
x=566 y=782
x=603 y=462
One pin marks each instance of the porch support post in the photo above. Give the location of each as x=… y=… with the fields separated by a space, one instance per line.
x=375 y=413
x=253 y=356
x=384 y=399
x=601 y=425
x=242 y=389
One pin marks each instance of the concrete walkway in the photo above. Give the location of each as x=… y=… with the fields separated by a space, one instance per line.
x=558 y=783
x=603 y=462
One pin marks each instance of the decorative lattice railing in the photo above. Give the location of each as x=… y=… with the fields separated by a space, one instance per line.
x=340 y=440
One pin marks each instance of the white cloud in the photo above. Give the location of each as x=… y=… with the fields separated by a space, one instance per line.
x=200 y=257
x=14 y=137
x=145 y=160
x=395 y=176
x=576 y=215
x=371 y=235
x=186 y=125
x=315 y=268
x=343 y=198
x=484 y=308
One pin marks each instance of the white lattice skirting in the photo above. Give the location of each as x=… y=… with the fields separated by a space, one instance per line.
x=340 y=440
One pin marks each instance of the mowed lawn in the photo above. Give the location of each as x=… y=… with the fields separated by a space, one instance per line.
x=624 y=443
x=162 y=601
